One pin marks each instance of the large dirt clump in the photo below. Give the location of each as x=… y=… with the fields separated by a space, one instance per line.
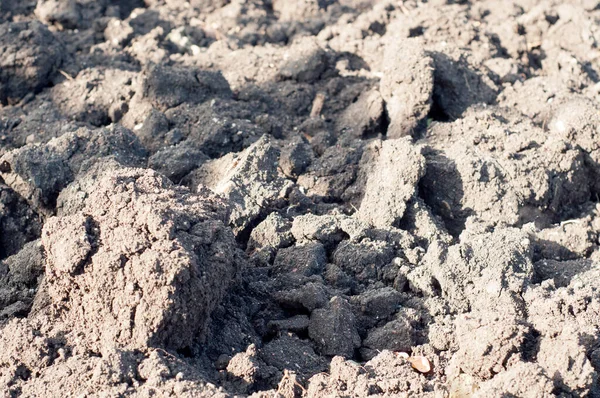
x=136 y=264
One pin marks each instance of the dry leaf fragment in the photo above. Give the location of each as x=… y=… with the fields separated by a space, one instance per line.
x=421 y=364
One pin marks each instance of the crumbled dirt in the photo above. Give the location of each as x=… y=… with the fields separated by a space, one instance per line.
x=300 y=199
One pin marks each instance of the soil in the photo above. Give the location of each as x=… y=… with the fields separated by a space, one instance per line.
x=274 y=198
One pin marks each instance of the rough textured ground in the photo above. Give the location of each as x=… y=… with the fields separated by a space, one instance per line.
x=318 y=198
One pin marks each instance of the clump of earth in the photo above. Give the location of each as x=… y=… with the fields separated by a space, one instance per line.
x=338 y=198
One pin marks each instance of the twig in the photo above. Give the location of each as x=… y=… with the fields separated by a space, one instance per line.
x=317 y=105
x=287 y=377
x=403 y=8
x=65 y=74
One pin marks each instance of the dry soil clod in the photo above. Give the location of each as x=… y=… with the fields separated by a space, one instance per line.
x=215 y=198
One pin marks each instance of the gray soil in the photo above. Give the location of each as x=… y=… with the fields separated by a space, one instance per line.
x=281 y=198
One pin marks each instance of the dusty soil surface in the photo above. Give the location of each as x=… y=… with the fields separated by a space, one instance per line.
x=316 y=198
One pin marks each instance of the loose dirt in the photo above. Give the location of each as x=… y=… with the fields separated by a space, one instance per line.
x=280 y=198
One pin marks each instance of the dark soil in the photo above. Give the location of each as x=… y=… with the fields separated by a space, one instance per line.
x=280 y=198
